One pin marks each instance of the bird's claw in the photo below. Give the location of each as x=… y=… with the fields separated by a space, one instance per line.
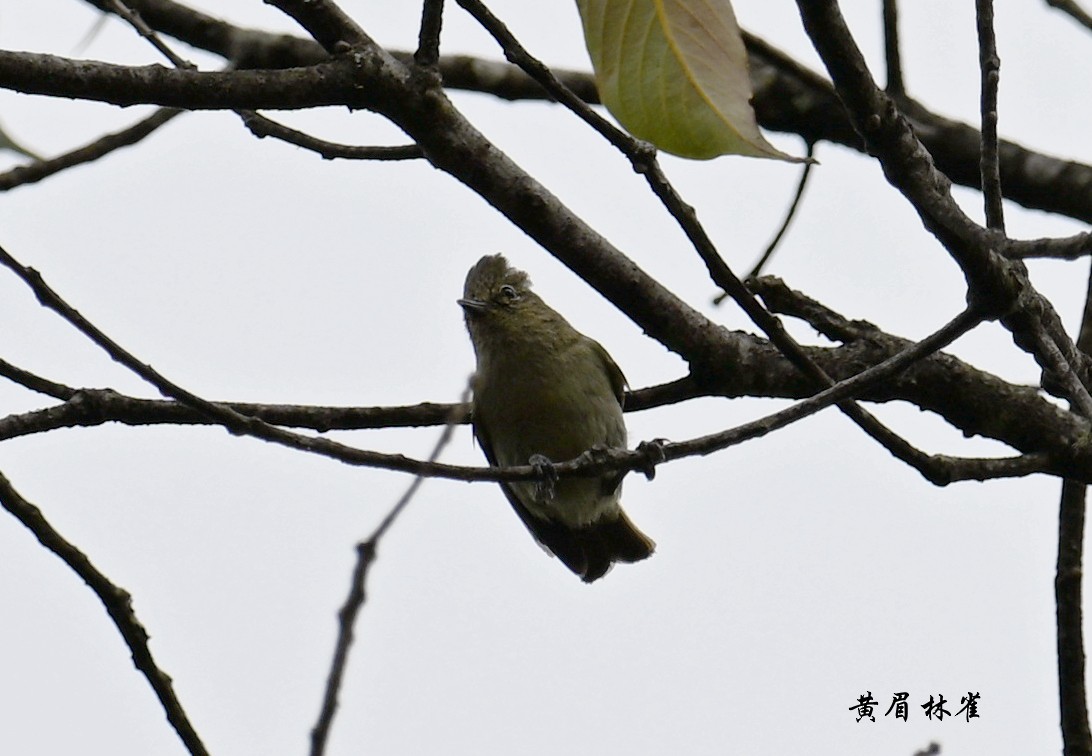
x=598 y=453
x=546 y=485
x=652 y=453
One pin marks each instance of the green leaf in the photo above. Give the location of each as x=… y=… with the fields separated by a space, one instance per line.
x=674 y=73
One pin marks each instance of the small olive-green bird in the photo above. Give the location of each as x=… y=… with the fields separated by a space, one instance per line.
x=545 y=392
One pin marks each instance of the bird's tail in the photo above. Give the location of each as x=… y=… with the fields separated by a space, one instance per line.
x=588 y=551
x=608 y=541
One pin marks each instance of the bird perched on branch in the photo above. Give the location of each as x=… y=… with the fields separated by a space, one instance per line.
x=543 y=393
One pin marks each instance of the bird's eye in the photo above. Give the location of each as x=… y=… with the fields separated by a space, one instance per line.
x=509 y=293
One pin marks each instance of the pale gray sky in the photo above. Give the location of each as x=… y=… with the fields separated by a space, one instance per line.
x=792 y=574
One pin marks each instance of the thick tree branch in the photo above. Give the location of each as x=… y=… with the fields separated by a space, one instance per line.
x=717 y=357
x=1002 y=286
x=327 y=83
x=975 y=402
x=788 y=97
x=643 y=159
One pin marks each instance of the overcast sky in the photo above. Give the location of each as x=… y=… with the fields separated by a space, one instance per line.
x=792 y=575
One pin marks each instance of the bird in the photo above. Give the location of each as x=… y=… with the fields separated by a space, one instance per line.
x=542 y=392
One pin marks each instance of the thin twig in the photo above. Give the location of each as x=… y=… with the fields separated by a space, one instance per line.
x=1074 y=10
x=428 y=39
x=989 y=64
x=118 y=604
x=91 y=33
x=1065 y=248
x=1060 y=368
x=895 y=85
x=261 y=127
x=29 y=174
x=232 y=420
x=134 y=20
x=366 y=552
x=29 y=380
x=800 y=186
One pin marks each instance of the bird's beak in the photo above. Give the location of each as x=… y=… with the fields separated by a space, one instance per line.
x=472 y=306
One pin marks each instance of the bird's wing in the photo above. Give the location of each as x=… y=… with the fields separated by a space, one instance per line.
x=614 y=373
x=555 y=536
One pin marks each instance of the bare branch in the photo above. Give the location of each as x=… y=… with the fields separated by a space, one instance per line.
x=346 y=620
x=797 y=196
x=454 y=146
x=940 y=469
x=1072 y=9
x=788 y=97
x=1072 y=696
x=785 y=301
x=643 y=159
x=262 y=127
x=366 y=553
x=428 y=40
x=895 y=85
x=135 y=21
x=999 y=285
x=1068 y=248
x=990 y=66
x=118 y=604
x=29 y=174
x=330 y=26
x=34 y=382
x=329 y=83
x=1068 y=579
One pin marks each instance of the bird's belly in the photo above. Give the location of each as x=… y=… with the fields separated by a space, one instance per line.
x=559 y=427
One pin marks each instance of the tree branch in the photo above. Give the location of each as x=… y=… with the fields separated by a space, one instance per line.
x=788 y=97
x=366 y=552
x=990 y=66
x=1072 y=9
x=118 y=604
x=34 y=382
x=262 y=127
x=1068 y=579
x=643 y=159
x=895 y=85
x=1002 y=286
x=326 y=83
x=33 y=172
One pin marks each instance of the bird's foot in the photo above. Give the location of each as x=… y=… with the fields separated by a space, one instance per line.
x=546 y=485
x=652 y=453
x=598 y=453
